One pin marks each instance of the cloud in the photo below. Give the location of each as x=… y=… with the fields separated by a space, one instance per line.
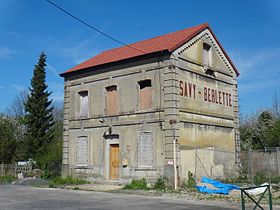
x=254 y=86
x=77 y=53
x=52 y=69
x=5 y=53
x=248 y=61
x=259 y=69
x=18 y=87
x=57 y=90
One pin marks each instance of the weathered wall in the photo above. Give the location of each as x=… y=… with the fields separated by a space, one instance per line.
x=205 y=107
x=208 y=109
x=128 y=123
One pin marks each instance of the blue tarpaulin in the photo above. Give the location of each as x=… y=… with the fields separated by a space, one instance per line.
x=222 y=188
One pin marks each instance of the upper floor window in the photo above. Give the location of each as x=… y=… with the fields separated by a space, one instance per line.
x=111 y=100
x=83 y=103
x=207 y=55
x=145 y=94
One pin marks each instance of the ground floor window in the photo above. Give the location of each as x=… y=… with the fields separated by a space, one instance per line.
x=82 y=151
x=145 y=150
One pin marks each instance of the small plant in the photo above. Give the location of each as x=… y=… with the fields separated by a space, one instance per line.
x=260 y=178
x=160 y=185
x=191 y=183
x=140 y=184
x=7 y=179
x=59 y=181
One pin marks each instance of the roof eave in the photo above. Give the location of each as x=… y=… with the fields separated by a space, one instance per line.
x=90 y=68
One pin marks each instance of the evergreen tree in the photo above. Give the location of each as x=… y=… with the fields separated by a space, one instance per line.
x=39 y=118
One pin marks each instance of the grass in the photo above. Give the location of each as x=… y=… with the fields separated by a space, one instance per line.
x=140 y=184
x=7 y=179
x=59 y=181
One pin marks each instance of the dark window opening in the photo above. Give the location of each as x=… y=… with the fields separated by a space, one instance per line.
x=145 y=83
x=210 y=72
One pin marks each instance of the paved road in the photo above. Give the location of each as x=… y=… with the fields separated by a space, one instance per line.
x=25 y=197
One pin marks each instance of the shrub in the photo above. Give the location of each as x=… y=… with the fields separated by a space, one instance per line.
x=7 y=179
x=191 y=183
x=59 y=181
x=160 y=185
x=140 y=184
x=260 y=178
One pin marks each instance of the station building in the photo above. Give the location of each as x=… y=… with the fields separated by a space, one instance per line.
x=139 y=110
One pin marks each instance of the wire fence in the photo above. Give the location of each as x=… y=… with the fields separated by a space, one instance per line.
x=215 y=163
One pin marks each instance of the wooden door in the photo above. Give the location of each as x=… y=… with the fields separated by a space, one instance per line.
x=114 y=161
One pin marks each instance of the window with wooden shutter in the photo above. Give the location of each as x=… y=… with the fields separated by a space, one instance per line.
x=82 y=151
x=145 y=150
x=83 y=103
x=112 y=100
x=145 y=94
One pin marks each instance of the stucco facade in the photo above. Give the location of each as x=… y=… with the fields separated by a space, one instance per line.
x=136 y=139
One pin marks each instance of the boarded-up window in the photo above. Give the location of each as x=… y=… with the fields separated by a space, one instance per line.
x=82 y=151
x=145 y=94
x=145 y=150
x=112 y=100
x=83 y=103
x=207 y=55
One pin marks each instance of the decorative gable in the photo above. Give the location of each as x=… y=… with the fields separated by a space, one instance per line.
x=194 y=51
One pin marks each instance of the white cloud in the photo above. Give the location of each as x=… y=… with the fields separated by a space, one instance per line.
x=52 y=69
x=5 y=53
x=249 y=62
x=18 y=87
x=57 y=90
x=255 y=85
x=77 y=53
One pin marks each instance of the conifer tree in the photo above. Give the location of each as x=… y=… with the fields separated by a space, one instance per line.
x=39 y=118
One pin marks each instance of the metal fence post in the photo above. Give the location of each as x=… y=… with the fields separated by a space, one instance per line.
x=270 y=198
x=2 y=169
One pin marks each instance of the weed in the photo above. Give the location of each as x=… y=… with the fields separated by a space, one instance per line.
x=7 y=179
x=191 y=183
x=260 y=178
x=140 y=184
x=59 y=181
x=160 y=184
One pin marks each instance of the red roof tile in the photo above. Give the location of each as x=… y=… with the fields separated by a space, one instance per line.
x=169 y=42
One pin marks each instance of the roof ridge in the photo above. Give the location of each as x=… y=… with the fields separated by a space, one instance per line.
x=163 y=35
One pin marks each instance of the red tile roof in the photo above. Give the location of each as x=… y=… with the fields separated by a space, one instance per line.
x=170 y=42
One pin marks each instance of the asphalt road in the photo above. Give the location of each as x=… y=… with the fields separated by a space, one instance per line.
x=25 y=197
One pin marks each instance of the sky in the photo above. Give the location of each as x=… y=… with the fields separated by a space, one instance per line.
x=248 y=31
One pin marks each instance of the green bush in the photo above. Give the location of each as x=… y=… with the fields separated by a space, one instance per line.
x=191 y=183
x=59 y=181
x=7 y=179
x=140 y=184
x=260 y=178
x=160 y=184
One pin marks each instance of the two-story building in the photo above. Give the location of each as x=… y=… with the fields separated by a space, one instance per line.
x=139 y=110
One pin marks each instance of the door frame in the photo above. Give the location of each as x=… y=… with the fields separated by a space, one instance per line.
x=113 y=140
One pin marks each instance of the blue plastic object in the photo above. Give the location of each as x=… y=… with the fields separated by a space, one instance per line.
x=222 y=188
